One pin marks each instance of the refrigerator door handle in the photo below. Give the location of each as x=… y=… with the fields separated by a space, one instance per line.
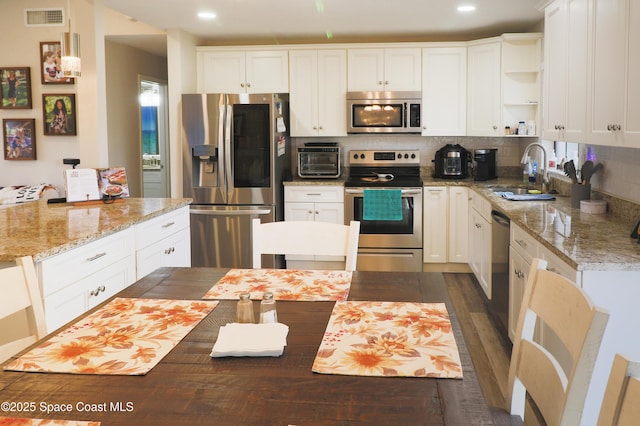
x=222 y=153
x=234 y=212
x=228 y=170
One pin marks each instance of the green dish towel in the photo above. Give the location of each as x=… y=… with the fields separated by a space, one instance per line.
x=382 y=204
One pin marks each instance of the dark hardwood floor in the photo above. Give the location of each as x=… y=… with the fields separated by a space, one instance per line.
x=490 y=349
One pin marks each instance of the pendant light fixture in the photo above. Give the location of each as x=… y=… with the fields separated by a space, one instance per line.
x=70 y=48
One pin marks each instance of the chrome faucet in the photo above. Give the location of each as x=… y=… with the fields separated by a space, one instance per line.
x=545 y=175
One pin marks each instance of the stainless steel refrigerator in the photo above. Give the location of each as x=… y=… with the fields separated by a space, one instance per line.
x=236 y=153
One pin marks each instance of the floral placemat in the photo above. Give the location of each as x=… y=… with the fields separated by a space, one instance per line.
x=126 y=337
x=19 y=421
x=285 y=284
x=389 y=339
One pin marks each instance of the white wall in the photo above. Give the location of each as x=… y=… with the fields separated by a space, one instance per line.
x=20 y=48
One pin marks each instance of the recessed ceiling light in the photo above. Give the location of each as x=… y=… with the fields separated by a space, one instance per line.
x=466 y=8
x=206 y=15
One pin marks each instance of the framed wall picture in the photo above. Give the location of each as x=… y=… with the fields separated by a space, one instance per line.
x=15 y=87
x=59 y=113
x=50 y=58
x=19 y=138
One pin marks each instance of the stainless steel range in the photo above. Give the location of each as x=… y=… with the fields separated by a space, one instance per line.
x=386 y=244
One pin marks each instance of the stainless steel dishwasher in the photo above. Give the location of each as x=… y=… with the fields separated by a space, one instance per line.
x=499 y=303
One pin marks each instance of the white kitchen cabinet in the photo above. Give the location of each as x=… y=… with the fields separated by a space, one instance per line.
x=444 y=91
x=435 y=214
x=566 y=64
x=445 y=218
x=238 y=71
x=520 y=80
x=458 y=230
x=76 y=280
x=483 y=88
x=480 y=241
x=322 y=203
x=318 y=83
x=163 y=241
x=384 y=69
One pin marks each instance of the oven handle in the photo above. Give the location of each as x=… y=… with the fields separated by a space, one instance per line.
x=404 y=191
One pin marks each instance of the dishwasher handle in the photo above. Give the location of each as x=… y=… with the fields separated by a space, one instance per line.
x=500 y=218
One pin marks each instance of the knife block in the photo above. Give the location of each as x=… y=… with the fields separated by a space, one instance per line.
x=578 y=193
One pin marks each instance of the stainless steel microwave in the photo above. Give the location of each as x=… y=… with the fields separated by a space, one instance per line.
x=384 y=112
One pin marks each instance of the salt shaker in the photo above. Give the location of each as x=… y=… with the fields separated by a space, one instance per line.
x=244 y=310
x=268 y=313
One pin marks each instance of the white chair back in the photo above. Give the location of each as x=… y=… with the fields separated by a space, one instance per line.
x=20 y=293
x=579 y=325
x=306 y=238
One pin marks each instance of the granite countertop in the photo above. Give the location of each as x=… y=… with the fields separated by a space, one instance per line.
x=586 y=242
x=41 y=230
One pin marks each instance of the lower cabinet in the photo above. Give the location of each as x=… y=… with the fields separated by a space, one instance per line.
x=323 y=203
x=76 y=280
x=480 y=241
x=163 y=241
x=445 y=229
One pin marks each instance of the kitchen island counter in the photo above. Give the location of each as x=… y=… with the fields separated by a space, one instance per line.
x=42 y=230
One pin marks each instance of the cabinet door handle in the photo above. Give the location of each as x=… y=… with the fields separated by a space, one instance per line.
x=97 y=291
x=241 y=84
x=166 y=225
x=478 y=225
x=96 y=257
x=522 y=243
x=169 y=250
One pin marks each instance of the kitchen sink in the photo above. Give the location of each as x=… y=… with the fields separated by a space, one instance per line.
x=516 y=190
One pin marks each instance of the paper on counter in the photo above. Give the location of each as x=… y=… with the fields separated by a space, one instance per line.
x=236 y=339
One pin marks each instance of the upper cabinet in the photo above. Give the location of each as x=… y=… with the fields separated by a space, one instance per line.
x=318 y=83
x=260 y=71
x=602 y=104
x=384 y=69
x=614 y=93
x=521 y=81
x=565 y=82
x=444 y=91
x=483 y=89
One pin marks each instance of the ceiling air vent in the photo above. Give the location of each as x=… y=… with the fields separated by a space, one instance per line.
x=44 y=17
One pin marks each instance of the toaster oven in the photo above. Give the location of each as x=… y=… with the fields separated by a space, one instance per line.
x=319 y=160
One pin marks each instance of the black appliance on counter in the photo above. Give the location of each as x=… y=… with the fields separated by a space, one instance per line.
x=485 y=164
x=319 y=160
x=452 y=162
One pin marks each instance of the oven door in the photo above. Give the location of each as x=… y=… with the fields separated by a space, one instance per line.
x=404 y=233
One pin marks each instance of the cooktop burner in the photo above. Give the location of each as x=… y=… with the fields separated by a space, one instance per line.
x=388 y=169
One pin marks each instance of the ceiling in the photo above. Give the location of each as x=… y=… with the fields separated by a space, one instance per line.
x=324 y=21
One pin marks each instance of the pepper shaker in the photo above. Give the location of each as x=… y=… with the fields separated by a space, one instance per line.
x=244 y=310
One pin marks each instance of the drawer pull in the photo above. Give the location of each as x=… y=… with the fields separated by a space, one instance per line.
x=166 y=225
x=522 y=243
x=96 y=257
x=169 y=250
x=98 y=290
x=317 y=194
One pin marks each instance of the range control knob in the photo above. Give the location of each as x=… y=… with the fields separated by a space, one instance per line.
x=413 y=156
x=355 y=156
x=362 y=156
x=399 y=156
x=406 y=156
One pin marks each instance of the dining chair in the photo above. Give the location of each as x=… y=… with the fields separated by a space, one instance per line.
x=306 y=238
x=20 y=294
x=621 y=402
x=579 y=325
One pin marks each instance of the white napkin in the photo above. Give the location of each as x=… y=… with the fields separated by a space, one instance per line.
x=236 y=339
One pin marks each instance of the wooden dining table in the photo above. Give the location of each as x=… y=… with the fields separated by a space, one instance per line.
x=189 y=387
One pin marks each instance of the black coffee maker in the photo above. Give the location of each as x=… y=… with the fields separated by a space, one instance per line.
x=485 y=163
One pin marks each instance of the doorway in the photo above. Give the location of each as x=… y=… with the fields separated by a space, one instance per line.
x=154 y=138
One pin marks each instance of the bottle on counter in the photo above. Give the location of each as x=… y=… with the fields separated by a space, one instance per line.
x=526 y=170
x=534 y=173
x=522 y=129
x=244 y=309
x=553 y=161
x=268 y=313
